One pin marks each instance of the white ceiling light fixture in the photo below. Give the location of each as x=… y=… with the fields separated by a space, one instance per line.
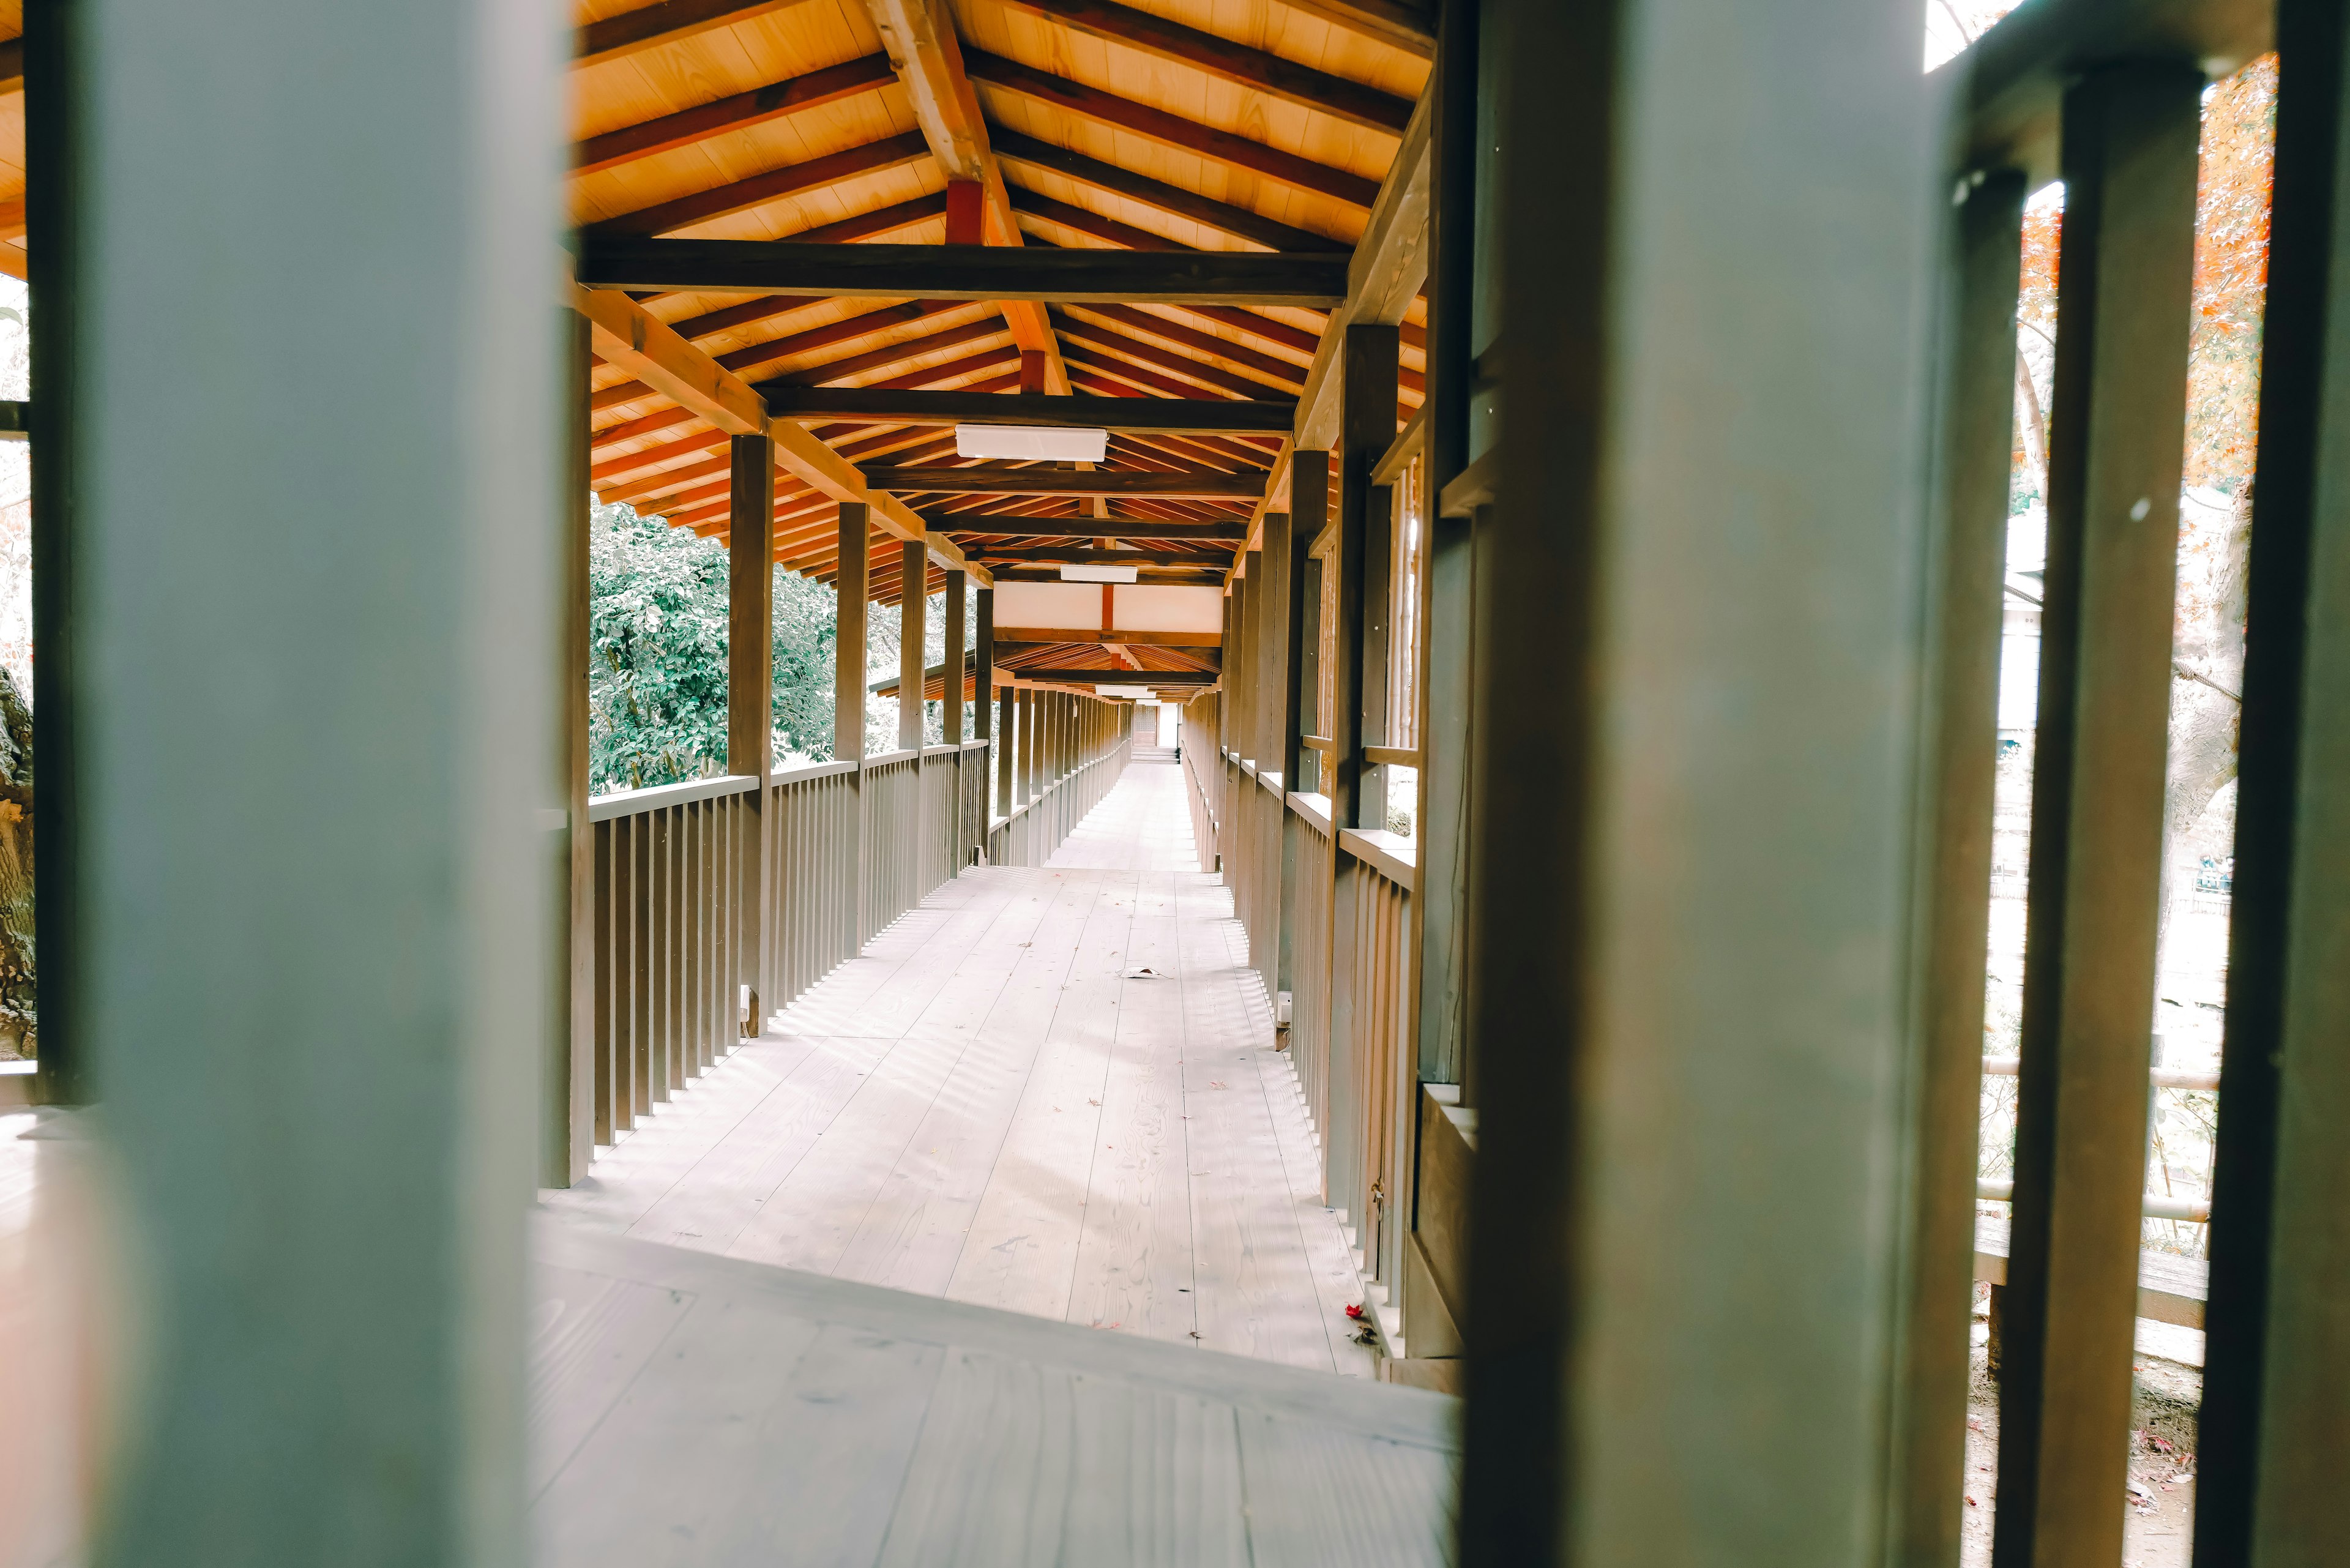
x=1140 y=694
x=1094 y=573
x=1031 y=443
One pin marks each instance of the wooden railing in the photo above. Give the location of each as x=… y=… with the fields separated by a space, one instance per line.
x=1101 y=744
x=1328 y=920
x=675 y=871
x=696 y=941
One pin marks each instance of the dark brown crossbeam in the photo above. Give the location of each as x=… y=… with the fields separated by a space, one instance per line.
x=613 y=260
x=1060 y=481
x=1086 y=555
x=1238 y=221
x=739 y=112
x=790 y=180
x=1023 y=527
x=669 y=22
x=1172 y=576
x=1113 y=674
x=1253 y=68
x=1174 y=130
x=1269 y=416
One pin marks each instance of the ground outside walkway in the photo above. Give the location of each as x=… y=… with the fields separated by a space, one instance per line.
x=1053 y=1091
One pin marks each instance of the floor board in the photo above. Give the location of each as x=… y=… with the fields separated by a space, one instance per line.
x=1050 y=1090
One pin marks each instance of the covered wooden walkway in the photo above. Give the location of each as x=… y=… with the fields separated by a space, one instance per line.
x=1049 y=1089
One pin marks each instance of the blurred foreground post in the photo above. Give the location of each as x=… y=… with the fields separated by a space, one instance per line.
x=1691 y=771
x=315 y=613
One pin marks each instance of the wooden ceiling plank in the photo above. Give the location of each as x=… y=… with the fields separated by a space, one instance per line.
x=741 y=195
x=1255 y=69
x=960 y=272
x=1238 y=221
x=1102 y=337
x=1109 y=109
x=1282 y=371
x=1399 y=24
x=1047 y=209
x=738 y=111
x=669 y=22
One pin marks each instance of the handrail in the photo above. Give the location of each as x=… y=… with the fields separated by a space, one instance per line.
x=654 y=798
x=807 y=770
x=1392 y=855
x=1314 y=808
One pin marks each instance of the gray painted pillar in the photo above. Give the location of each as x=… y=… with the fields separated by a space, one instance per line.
x=326 y=924
x=1692 y=767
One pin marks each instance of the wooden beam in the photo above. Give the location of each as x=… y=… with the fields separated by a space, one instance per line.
x=1045 y=209
x=1399 y=24
x=1267 y=415
x=1086 y=554
x=1238 y=221
x=1389 y=265
x=1188 y=136
x=1102 y=337
x=745 y=359
x=1252 y=68
x=1147 y=322
x=738 y=111
x=922 y=43
x=12 y=65
x=1059 y=481
x=741 y=195
x=669 y=22
x=1315 y=281
x=628 y=335
x=1019 y=526
x=1007 y=636
x=1173 y=577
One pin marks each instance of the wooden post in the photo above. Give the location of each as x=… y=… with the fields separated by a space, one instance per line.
x=2272 y=1444
x=1692 y=803
x=1309 y=505
x=965 y=200
x=1242 y=737
x=1026 y=762
x=1007 y=741
x=55 y=189
x=569 y=1091
x=957 y=668
x=1957 y=767
x=2115 y=457
x=1440 y=821
x=950 y=707
x=1366 y=428
x=983 y=716
x=751 y=693
x=325 y=929
x=852 y=584
x=913 y=602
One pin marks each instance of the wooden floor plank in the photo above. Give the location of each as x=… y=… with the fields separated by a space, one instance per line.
x=1024 y=1463
x=1021 y=1252
x=914 y=1231
x=590 y=1335
x=1318 y=1494
x=1134 y=1265
x=1257 y=1289
x=764 y=1437
x=1013 y=1115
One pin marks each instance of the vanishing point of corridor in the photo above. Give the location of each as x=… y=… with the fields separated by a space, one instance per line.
x=1053 y=1090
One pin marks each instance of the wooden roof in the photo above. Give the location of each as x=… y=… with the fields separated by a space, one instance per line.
x=1163 y=125
x=1160 y=126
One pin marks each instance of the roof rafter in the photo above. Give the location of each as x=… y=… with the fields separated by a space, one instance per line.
x=1238 y=221
x=920 y=39
x=1251 y=67
x=738 y=111
x=1188 y=135
x=789 y=180
x=669 y=22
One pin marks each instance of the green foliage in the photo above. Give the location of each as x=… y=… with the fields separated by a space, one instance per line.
x=657 y=626
x=657 y=653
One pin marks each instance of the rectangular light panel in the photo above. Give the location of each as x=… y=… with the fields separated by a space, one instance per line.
x=1092 y=574
x=1031 y=443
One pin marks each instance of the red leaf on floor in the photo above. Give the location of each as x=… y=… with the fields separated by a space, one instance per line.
x=1353 y=1312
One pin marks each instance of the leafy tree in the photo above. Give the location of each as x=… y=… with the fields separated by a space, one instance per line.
x=657 y=653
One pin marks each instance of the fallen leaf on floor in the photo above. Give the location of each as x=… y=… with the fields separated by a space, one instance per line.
x=1093 y=1102
x=1213 y=1085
